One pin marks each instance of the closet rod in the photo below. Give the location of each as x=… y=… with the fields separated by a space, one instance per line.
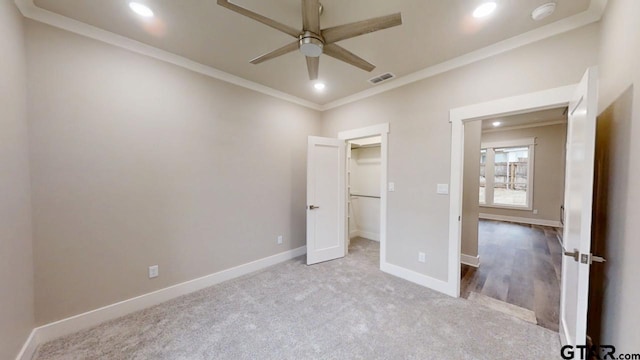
x=366 y=196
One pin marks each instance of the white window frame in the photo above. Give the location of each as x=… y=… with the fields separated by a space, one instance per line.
x=485 y=175
x=488 y=192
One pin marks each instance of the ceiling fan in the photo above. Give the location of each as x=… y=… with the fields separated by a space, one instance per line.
x=314 y=41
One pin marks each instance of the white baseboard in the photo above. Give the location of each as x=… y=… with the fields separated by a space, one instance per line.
x=564 y=335
x=365 y=234
x=521 y=220
x=420 y=279
x=48 y=332
x=470 y=260
x=29 y=347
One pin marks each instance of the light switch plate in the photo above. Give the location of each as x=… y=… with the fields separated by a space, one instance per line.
x=443 y=189
x=153 y=271
x=392 y=187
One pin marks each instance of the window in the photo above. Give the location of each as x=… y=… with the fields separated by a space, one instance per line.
x=506 y=174
x=483 y=179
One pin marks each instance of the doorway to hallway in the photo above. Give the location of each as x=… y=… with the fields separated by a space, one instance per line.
x=521 y=266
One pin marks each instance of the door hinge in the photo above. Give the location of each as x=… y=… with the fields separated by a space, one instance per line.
x=584 y=258
x=459 y=218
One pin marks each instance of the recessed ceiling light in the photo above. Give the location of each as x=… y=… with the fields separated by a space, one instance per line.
x=319 y=86
x=496 y=123
x=543 y=11
x=141 y=9
x=485 y=9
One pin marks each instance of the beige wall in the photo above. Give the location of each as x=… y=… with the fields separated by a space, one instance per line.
x=137 y=162
x=620 y=106
x=419 y=129
x=16 y=255
x=548 y=173
x=471 y=187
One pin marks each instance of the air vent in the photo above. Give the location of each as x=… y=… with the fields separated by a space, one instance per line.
x=384 y=77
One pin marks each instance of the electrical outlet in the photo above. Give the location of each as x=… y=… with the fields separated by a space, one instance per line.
x=153 y=271
x=535 y=211
x=280 y=239
x=422 y=257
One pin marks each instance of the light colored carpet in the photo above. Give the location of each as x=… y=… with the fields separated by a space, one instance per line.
x=342 y=309
x=509 y=309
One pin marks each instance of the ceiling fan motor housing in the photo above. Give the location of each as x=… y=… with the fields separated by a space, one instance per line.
x=311 y=44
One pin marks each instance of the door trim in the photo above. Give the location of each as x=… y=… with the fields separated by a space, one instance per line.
x=381 y=130
x=547 y=99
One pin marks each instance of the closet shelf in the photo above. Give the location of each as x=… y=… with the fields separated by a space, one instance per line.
x=365 y=196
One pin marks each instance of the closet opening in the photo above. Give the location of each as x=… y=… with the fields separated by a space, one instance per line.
x=364 y=166
x=347 y=203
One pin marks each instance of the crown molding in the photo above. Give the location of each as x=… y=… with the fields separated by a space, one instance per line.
x=592 y=14
x=31 y=11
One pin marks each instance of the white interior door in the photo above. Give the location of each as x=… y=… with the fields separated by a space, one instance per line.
x=581 y=137
x=326 y=199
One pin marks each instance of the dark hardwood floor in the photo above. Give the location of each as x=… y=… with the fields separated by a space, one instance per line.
x=519 y=264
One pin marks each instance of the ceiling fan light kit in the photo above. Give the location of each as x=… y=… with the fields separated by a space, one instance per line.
x=311 y=44
x=313 y=41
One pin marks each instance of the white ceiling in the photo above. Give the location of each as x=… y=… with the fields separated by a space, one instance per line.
x=433 y=31
x=533 y=118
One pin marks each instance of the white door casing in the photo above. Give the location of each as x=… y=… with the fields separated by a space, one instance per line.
x=582 y=102
x=381 y=130
x=351 y=220
x=581 y=137
x=519 y=104
x=326 y=199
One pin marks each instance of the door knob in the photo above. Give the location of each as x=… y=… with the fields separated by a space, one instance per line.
x=313 y=207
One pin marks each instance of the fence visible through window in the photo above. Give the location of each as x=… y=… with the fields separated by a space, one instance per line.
x=510 y=181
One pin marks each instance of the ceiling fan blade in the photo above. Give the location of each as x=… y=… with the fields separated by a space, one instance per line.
x=313 y=63
x=311 y=16
x=263 y=19
x=275 y=53
x=340 y=53
x=342 y=32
